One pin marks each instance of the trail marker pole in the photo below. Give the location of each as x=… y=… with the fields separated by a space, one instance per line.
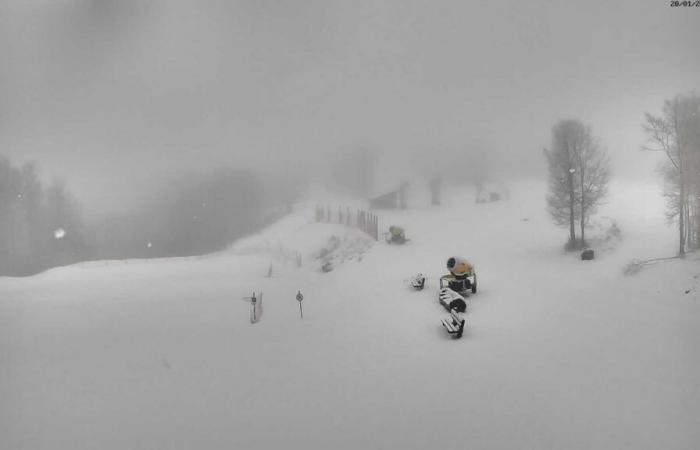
x=255 y=306
x=253 y=301
x=300 y=297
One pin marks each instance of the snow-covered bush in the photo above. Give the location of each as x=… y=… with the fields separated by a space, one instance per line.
x=339 y=249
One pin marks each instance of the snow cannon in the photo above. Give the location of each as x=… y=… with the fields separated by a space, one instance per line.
x=459 y=267
x=462 y=276
x=396 y=235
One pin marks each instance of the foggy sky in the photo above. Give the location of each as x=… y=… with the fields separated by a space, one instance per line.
x=116 y=94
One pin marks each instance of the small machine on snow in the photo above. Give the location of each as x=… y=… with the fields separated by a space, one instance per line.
x=462 y=276
x=417 y=281
x=396 y=235
x=459 y=283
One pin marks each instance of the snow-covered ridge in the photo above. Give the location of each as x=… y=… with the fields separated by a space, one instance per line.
x=297 y=235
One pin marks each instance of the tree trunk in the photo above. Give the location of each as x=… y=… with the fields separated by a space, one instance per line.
x=681 y=229
x=583 y=205
x=572 y=203
x=681 y=182
x=695 y=222
x=681 y=218
x=688 y=223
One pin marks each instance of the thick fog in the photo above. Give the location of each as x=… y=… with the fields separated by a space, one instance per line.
x=444 y=205
x=116 y=95
x=127 y=100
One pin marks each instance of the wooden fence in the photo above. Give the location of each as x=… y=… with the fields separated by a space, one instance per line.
x=359 y=218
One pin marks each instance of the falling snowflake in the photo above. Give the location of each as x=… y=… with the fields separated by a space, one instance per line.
x=59 y=233
x=149 y=245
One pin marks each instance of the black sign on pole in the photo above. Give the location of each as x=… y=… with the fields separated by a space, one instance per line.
x=300 y=297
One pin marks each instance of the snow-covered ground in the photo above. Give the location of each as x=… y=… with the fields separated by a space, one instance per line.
x=557 y=353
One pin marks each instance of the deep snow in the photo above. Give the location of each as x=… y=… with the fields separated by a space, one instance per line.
x=557 y=353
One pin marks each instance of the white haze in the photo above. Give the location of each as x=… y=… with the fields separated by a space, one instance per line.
x=116 y=96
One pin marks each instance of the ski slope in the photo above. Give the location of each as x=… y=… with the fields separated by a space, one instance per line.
x=557 y=353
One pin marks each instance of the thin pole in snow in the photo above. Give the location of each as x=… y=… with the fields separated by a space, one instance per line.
x=253 y=301
x=300 y=297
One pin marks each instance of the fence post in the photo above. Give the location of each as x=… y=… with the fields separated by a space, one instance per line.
x=361 y=219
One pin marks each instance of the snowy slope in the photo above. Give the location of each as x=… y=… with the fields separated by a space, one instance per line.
x=557 y=353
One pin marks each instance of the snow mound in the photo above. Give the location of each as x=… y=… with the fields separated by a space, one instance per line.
x=350 y=245
x=324 y=245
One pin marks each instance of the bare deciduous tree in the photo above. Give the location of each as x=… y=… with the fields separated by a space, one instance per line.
x=578 y=177
x=592 y=174
x=676 y=133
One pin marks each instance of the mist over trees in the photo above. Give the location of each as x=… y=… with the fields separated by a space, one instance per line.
x=355 y=171
x=42 y=226
x=194 y=215
x=579 y=171
x=676 y=133
x=435 y=185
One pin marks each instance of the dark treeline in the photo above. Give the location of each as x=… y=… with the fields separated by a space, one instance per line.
x=42 y=226
x=193 y=216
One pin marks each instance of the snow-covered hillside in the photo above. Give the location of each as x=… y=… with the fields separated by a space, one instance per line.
x=557 y=353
